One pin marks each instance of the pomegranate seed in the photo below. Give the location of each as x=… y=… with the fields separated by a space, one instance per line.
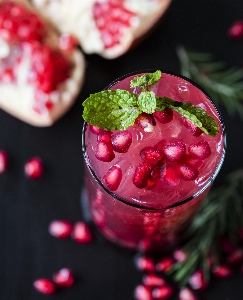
x=187 y=172
x=67 y=42
x=140 y=177
x=150 y=154
x=160 y=145
x=235 y=257
x=60 y=229
x=179 y=255
x=165 y=264
x=113 y=177
x=143 y=293
x=174 y=151
x=82 y=233
x=121 y=140
x=164 y=116
x=45 y=286
x=195 y=130
x=222 y=271
x=152 y=280
x=235 y=31
x=34 y=168
x=170 y=174
x=145 y=121
x=112 y=18
x=187 y=294
x=154 y=173
x=145 y=263
x=64 y=278
x=104 y=152
x=95 y=129
x=200 y=149
x=163 y=292
x=197 y=281
x=193 y=161
x=104 y=136
x=3 y=161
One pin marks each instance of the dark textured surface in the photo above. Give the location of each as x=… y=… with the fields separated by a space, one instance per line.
x=103 y=272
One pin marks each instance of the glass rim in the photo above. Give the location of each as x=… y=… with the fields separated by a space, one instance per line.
x=178 y=203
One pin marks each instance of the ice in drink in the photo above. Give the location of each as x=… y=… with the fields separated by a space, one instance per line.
x=158 y=170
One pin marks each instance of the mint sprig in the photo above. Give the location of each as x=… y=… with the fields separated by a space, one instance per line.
x=118 y=109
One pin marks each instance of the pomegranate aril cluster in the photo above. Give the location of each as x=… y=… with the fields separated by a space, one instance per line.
x=64 y=278
x=112 y=18
x=63 y=229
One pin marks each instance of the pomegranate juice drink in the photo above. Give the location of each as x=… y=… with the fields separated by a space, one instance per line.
x=161 y=145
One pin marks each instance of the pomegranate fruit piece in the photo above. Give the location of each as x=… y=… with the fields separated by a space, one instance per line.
x=188 y=172
x=64 y=278
x=61 y=229
x=165 y=264
x=113 y=177
x=104 y=136
x=145 y=121
x=140 y=176
x=164 y=116
x=186 y=293
x=82 y=233
x=200 y=149
x=121 y=140
x=142 y=292
x=3 y=161
x=144 y=263
x=222 y=271
x=197 y=281
x=170 y=174
x=174 y=151
x=195 y=130
x=235 y=31
x=150 y=154
x=162 y=292
x=34 y=168
x=104 y=152
x=45 y=286
x=111 y=18
x=153 y=280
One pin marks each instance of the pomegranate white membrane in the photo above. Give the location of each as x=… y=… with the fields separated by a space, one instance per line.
x=144 y=184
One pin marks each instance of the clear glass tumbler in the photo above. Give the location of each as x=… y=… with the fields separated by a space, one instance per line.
x=151 y=219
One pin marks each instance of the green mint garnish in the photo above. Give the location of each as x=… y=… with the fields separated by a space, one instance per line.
x=118 y=109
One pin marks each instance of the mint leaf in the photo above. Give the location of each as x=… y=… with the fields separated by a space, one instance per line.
x=111 y=109
x=196 y=115
x=147 y=102
x=146 y=80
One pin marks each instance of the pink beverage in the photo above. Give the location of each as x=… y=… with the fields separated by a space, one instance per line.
x=146 y=196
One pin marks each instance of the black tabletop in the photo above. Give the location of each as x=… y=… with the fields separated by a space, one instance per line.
x=104 y=272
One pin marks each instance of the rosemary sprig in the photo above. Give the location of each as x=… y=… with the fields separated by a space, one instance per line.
x=220 y=215
x=223 y=85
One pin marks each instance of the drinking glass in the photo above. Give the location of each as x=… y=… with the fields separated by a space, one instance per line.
x=152 y=220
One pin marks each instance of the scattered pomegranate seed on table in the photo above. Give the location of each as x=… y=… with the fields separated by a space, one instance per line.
x=144 y=263
x=152 y=280
x=34 y=168
x=222 y=271
x=235 y=31
x=60 y=228
x=197 y=281
x=45 y=286
x=64 y=278
x=3 y=161
x=162 y=292
x=187 y=294
x=81 y=233
x=143 y=292
x=165 y=264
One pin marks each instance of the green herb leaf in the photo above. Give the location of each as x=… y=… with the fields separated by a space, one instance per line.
x=111 y=109
x=196 y=115
x=146 y=80
x=147 y=102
